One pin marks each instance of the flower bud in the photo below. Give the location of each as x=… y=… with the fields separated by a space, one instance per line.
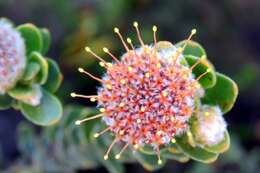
x=210 y=126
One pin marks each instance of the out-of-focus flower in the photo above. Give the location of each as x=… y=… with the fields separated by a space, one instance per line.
x=12 y=56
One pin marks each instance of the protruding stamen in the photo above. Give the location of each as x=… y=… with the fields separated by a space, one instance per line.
x=129 y=41
x=93 y=99
x=154 y=34
x=181 y=49
x=101 y=64
x=95 y=55
x=81 y=70
x=96 y=135
x=193 y=32
x=84 y=96
x=198 y=62
x=116 y=30
x=158 y=155
x=203 y=74
x=173 y=140
x=78 y=122
x=138 y=33
x=122 y=150
x=178 y=53
x=110 y=148
x=110 y=54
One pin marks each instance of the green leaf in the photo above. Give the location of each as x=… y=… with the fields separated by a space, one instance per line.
x=221 y=147
x=46 y=40
x=149 y=162
x=31 y=71
x=27 y=94
x=32 y=36
x=180 y=157
x=47 y=113
x=223 y=94
x=54 y=76
x=207 y=81
x=41 y=61
x=196 y=152
x=192 y=48
x=5 y=102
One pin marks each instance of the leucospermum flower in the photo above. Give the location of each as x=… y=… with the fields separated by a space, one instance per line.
x=12 y=56
x=147 y=97
x=210 y=126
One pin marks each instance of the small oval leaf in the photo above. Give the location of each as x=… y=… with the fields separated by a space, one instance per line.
x=41 y=61
x=196 y=152
x=5 y=102
x=207 y=81
x=180 y=157
x=47 y=113
x=31 y=71
x=46 y=40
x=29 y=94
x=223 y=94
x=32 y=37
x=54 y=76
x=192 y=48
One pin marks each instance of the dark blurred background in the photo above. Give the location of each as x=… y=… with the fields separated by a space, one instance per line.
x=229 y=30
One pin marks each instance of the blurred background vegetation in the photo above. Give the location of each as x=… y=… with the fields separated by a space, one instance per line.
x=228 y=30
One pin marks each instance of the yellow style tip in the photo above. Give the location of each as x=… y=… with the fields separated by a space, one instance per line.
x=117 y=156
x=87 y=49
x=105 y=49
x=96 y=135
x=154 y=28
x=73 y=94
x=116 y=30
x=129 y=40
x=193 y=31
x=105 y=157
x=77 y=122
x=135 y=24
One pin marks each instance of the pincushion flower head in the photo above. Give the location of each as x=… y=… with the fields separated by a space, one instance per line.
x=12 y=56
x=148 y=96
